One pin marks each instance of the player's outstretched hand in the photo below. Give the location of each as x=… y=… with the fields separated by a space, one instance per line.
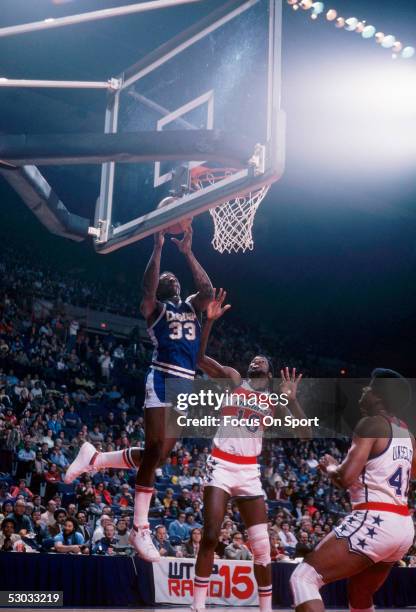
x=185 y=244
x=216 y=308
x=290 y=382
x=159 y=239
x=326 y=462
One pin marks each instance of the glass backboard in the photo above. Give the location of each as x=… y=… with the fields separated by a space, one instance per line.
x=221 y=75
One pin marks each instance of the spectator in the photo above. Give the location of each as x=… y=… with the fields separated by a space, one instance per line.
x=103 y=493
x=99 y=530
x=54 y=425
x=310 y=506
x=106 y=365
x=60 y=516
x=48 y=517
x=72 y=336
x=124 y=498
x=162 y=543
x=287 y=538
x=69 y=540
x=173 y=511
x=59 y=458
x=184 y=500
x=8 y=537
x=168 y=498
x=185 y=479
x=122 y=534
x=52 y=476
x=223 y=541
x=106 y=544
x=303 y=547
x=72 y=420
x=237 y=550
x=197 y=511
x=277 y=552
x=48 y=439
x=21 y=490
x=40 y=531
x=22 y=522
x=178 y=529
x=169 y=470
x=95 y=509
x=26 y=457
x=191 y=547
x=83 y=527
x=95 y=435
x=85 y=495
x=191 y=523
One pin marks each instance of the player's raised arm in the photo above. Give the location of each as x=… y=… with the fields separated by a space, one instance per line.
x=289 y=387
x=215 y=310
x=205 y=290
x=149 y=305
x=368 y=431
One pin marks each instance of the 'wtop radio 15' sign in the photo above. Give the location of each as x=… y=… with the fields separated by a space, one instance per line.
x=232 y=582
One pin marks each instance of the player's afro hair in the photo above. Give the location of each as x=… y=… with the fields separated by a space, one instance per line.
x=393 y=388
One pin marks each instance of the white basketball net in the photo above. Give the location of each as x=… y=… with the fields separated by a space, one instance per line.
x=233 y=220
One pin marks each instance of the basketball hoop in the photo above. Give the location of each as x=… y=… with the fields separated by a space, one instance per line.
x=233 y=220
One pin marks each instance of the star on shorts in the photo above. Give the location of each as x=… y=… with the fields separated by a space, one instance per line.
x=362 y=543
x=377 y=520
x=371 y=532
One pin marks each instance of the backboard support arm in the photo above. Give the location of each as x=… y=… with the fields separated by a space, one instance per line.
x=97 y=148
x=44 y=203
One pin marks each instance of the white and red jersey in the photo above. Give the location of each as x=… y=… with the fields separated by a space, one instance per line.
x=386 y=477
x=249 y=407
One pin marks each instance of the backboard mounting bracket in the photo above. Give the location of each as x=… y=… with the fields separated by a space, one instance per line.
x=258 y=160
x=99 y=232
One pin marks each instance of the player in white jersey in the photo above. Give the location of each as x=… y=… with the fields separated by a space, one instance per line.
x=232 y=467
x=377 y=472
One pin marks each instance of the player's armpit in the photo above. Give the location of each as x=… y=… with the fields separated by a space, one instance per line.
x=201 y=301
x=150 y=309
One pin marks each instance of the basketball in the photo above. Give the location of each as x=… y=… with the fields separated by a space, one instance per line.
x=180 y=226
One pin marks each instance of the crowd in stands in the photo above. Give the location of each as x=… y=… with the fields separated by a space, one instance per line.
x=60 y=386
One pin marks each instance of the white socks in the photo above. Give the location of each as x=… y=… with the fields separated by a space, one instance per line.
x=142 y=499
x=116 y=459
x=200 y=592
x=265 y=598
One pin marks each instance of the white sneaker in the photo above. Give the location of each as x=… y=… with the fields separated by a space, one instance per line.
x=81 y=463
x=140 y=539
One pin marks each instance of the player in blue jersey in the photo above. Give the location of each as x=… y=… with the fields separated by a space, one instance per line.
x=174 y=327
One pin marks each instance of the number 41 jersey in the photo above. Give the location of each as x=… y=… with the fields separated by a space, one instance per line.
x=386 y=478
x=176 y=336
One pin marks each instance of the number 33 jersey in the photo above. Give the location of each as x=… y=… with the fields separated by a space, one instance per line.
x=386 y=477
x=176 y=336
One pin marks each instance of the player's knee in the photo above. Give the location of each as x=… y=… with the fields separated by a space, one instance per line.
x=260 y=544
x=305 y=583
x=153 y=452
